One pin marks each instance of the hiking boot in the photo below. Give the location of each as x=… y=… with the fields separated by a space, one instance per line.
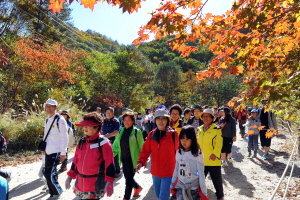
x=224 y=164
x=63 y=168
x=265 y=157
x=137 y=191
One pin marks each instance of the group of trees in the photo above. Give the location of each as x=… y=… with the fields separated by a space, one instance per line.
x=46 y=52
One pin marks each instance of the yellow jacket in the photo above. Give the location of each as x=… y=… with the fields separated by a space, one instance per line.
x=178 y=126
x=210 y=142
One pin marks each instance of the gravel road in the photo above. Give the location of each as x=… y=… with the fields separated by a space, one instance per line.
x=246 y=178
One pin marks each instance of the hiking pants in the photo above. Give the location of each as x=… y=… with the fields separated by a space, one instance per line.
x=253 y=140
x=215 y=174
x=50 y=173
x=65 y=162
x=265 y=142
x=129 y=173
x=162 y=187
x=242 y=128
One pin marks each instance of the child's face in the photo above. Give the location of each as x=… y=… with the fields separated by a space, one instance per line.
x=186 y=143
x=254 y=115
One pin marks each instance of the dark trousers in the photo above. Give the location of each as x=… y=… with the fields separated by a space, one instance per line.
x=215 y=174
x=242 y=128
x=117 y=165
x=129 y=173
x=50 y=174
x=265 y=142
x=65 y=162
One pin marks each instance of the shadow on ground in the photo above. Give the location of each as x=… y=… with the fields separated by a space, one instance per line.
x=26 y=188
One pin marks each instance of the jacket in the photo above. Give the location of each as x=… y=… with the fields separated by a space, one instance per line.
x=272 y=123
x=87 y=161
x=136 y=142
x=210 y=142
x=191 y=121
x=229 y=130
x=178 y=126
x=253 y=122
x=241 y=116
x=163 y=158
x=57 y=140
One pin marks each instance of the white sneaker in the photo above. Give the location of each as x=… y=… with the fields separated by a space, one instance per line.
x=230 y=160
x=224 y=164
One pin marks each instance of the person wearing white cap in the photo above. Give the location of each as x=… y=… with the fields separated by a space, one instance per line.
x=210 y=141
x=162 y=144
x=56 y=138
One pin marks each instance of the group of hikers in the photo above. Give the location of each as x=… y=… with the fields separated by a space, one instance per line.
x=183 y=146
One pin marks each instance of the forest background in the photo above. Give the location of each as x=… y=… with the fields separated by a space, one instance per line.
x=43 y=55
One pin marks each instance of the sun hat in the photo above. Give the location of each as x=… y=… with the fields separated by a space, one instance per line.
x=51 y=102
x=209 y=111
x=87 y=123
x=160 y=113
x=64 y=112
x=254 y=111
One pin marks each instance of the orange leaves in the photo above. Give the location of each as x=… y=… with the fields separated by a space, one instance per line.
x=269 y=134
x=3 y=58
x=261 y=128
x=254 y=126
x=250 y=132
x=56 y=5
x=237 y=69
x=88 y=3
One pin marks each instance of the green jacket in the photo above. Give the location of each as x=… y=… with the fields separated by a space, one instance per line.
x=136 y=142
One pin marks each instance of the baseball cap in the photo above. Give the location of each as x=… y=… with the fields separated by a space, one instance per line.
x=51 y=102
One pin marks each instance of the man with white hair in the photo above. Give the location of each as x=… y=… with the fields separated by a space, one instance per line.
x=56 y=138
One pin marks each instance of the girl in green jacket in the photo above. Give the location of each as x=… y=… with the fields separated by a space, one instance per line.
x=127 y=146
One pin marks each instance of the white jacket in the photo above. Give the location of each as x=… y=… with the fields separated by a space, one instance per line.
x=57 y=140
x=71 y=137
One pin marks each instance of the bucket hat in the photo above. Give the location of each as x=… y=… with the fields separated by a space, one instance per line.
x=160 y=113
x=209 y=111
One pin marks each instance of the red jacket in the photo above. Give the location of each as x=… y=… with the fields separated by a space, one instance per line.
x=242 y=116
x=87 y=160
x=163 y=158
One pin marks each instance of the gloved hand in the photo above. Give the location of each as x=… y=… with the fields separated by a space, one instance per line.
x=68 y=182
x=109 y=188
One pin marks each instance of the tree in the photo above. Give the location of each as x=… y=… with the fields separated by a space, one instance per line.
x=167 y=82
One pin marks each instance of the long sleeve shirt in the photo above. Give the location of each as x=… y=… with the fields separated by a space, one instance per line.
x=188 y=168
x=57 y=140
x=252 y=123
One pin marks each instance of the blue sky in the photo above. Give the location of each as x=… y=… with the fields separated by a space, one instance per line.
x=111 y=22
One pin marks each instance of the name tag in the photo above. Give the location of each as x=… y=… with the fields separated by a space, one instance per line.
x=93 y=146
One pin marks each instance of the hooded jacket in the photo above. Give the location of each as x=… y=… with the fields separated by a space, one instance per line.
x=163 y=153
x=210 y=142
x=87 y=161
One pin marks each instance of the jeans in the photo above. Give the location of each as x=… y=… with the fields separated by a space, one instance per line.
x=162 y=187
x=215 y=174
x=129 y=173
x=253 y=140
x=195 y=195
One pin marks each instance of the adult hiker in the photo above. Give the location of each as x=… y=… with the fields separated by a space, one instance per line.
x=267 y=119
x=210 y=141
x=127 y=146
x=196 y=121
x=110 y=130
x=175 y=114
x=71 y=136
x=56 y=138
x=93 y=163
x=161 y=144
x=228 y=127
x=242 y=118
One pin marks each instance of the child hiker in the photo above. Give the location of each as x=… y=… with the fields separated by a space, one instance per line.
x=188 y=181
x=253 y=123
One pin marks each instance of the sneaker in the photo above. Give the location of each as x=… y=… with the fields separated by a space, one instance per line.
x=117 y=175
x=249 y=154
x=63 y=168
x=265 y=157
x=224 y=164
x=230 y=160
x=254 y=156
x=137 y=191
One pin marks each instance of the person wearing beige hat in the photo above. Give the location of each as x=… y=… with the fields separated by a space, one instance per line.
x=210 y=141
x=162 y=144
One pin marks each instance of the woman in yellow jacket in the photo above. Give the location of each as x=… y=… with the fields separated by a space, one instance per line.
x=210 y=141
x=175 y=113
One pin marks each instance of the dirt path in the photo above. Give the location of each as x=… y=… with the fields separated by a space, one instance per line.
x=246 y=178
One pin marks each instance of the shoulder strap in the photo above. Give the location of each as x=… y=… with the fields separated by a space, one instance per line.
x=135 y=134
x=56 y=116
x=173 y=138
